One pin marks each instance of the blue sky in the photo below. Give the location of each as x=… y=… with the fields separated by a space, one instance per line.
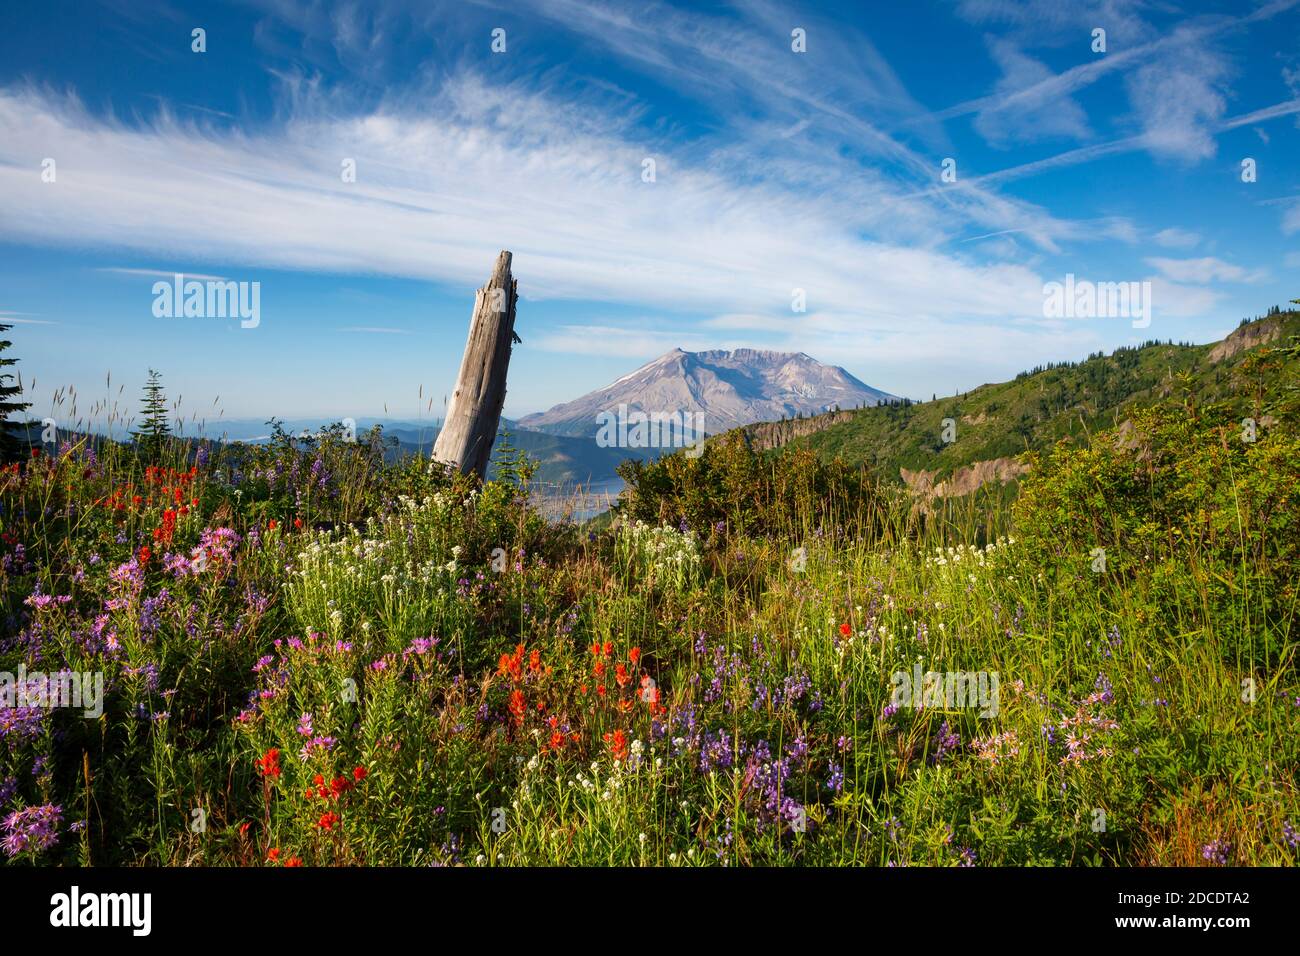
x=774 y=170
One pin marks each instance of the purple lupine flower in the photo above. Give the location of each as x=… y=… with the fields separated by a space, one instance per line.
x=149 y=609
x=1103 y=687
x=798 y=748
x=1217 y=852
x=945 y=741
x=836 y=781
x=1288 y=833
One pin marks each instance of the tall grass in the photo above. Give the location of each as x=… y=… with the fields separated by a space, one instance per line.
x=380 y=664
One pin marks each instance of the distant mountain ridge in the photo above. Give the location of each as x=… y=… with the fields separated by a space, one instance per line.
x=728 y=388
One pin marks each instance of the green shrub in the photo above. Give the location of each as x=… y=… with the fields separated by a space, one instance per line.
x=1204 y=522
x=730 y=484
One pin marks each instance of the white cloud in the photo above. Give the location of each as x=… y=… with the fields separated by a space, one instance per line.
x=1204 y=270
x=1175 y=238
x=1178 y=100
x=441 y=189
x=749 y=323
x=1173 y=300
x=1291 y=219
x=617 y=342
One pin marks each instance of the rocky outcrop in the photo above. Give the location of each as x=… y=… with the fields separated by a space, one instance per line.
x=1246 y=337
x=964 y=480
x=768 y=435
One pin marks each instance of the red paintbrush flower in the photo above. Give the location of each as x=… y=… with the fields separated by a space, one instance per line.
x=518 y=705
x=270 y=763
x=617 y=742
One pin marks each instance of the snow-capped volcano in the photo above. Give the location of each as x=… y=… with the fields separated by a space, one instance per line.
x=728 y=388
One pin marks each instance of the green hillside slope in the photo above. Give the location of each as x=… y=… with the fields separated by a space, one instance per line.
x=963 y=436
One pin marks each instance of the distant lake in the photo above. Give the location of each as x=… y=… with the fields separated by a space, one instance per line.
x=576 y=501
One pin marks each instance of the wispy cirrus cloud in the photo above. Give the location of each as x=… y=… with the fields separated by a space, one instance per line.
x=1174 y=75
x=23 y=318
x=816 y=172
x=440 y=188
x=162 y=273
x=1016 y=114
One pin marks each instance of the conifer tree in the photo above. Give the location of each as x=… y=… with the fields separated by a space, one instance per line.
x=154 y=429
x=10 y=446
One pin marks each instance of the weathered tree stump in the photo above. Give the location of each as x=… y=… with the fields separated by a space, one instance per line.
x=474 y=411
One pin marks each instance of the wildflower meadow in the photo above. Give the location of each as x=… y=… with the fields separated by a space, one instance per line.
x=549 y=466
x=312 y=657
